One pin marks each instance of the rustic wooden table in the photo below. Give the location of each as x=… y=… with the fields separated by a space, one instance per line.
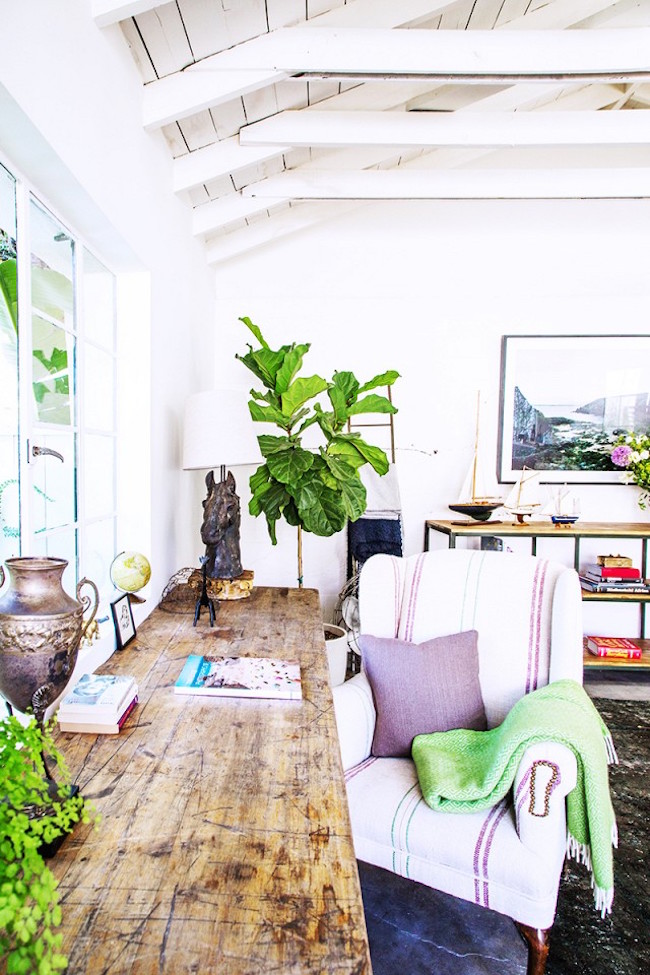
x=224 y=844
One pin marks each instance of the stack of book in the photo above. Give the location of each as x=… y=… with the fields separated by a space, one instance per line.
x=613 y=578
x=98 y=704
x=613 y=646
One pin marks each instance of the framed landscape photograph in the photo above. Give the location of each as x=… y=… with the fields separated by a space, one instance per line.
x=565 y=399
x=123 y=620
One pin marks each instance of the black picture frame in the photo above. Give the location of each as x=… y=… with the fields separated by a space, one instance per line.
x=123 y=620
x=562 y=400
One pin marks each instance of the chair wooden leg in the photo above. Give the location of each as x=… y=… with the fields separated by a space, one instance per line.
x=537 y=940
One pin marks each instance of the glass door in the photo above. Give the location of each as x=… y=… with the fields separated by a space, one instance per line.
x=49 y=396
x=9 y=443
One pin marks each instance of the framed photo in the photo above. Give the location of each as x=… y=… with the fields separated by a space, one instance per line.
x=565 y=399
x=123 y=620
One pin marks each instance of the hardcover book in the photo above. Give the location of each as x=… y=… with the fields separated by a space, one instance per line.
x=612 y=572
x=613 y=646
x=86 y=724
x=98 y=697
x=240 y=677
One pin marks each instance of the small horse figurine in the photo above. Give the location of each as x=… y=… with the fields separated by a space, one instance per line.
x=220 y=529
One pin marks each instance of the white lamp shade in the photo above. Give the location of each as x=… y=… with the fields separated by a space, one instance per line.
x=218 y=430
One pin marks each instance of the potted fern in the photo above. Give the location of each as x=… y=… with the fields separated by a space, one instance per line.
x=35 y=813
x=314 y=490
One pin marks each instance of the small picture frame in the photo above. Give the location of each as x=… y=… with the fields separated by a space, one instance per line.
x=123 y=620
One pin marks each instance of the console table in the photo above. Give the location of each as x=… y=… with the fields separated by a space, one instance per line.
x=224 y=844
x=546 y=529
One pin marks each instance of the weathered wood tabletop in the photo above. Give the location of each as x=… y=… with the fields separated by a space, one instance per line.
x=224 y=844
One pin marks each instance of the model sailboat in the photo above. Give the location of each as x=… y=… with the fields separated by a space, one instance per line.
x=564 y=508
x=472 y=501
x=523 y=501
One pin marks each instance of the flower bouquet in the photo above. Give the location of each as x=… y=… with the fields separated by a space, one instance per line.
x=632 y=452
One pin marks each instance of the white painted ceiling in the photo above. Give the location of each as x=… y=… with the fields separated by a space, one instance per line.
x=281 y=113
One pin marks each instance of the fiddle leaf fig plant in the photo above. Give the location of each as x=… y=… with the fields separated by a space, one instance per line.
x=317 y=490
x=34 y=811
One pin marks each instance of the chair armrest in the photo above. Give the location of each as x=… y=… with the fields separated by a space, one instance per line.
x=355 y=719
x=546 y=774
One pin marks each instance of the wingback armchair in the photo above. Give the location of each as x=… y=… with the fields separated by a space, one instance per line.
x=528 y=616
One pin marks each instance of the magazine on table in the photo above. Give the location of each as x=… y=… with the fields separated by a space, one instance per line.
x=260 y=677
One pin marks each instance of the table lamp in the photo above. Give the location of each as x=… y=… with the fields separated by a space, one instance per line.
x=218 y=432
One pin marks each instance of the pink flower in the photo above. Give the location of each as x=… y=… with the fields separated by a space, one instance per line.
x=621 y=455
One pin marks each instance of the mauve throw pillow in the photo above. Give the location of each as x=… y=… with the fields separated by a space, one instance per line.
x=420 y=688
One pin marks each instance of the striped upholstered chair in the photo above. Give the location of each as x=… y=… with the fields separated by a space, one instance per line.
x=527 y=613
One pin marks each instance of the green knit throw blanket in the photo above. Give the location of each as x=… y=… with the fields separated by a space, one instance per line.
x=466 y=771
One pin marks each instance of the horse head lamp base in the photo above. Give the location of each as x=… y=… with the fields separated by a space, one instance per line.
x=220 y=529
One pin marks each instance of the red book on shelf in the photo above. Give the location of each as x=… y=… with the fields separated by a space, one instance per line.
x=614 y=571
x=613 y=646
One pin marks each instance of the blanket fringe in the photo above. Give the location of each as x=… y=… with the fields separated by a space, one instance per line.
x=603 y=900
x=612 y=757
x=581 y=853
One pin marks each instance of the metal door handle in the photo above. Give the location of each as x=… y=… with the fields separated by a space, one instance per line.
x=40 y=451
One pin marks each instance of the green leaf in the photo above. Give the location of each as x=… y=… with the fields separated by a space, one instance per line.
x=288 y=466
x=266 y=414
x=291 y=365
x=271 y=501
x=264 y=363
x=270 y=445
x=374 y=455
x=300 y=391
x=354 y=497
x=357 y=452
x=344 y=445
x=372 y=404
x=255 y=330
x=321 y=509
x=325 y=421
x=383 y=379
x=342 y=393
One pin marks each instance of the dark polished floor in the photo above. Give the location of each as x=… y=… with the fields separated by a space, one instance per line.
x=417 y=931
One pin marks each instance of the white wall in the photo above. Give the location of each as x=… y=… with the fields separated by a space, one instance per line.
x=70 y=121
x=430 y=289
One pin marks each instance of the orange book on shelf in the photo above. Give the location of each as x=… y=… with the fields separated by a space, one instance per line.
x=613 y=646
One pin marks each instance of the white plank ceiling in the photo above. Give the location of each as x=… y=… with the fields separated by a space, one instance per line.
x=281 y=113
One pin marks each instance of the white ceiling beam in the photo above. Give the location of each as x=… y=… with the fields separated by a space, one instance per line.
x=380 y=13
x=228 y=209
x=281 y=225
x=454 y=55
x=342 y=130
x=217 y=160
x=187 y=92
x=441 y=56
x=459 y=184
x=106 y=12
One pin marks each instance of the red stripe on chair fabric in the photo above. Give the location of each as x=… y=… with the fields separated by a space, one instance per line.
x=397 y=596
x=351 y=772
x=534 y=638
x=413 y=597
x=482 y=852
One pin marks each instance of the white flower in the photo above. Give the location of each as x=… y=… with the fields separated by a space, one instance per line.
x=635 y=457
x=644 y=454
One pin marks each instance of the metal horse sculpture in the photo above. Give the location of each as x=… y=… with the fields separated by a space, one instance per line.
x=220 y=529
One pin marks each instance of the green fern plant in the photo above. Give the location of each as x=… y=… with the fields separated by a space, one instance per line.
x=315 y=490
x=33 y=813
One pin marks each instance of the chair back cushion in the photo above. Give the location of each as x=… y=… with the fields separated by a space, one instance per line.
x=523 y=607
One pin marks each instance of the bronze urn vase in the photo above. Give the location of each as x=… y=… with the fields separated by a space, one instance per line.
x=41 y=627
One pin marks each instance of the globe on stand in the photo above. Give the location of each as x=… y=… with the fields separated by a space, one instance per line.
x=130 y=572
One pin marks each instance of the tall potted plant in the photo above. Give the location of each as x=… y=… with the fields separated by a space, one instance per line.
x=35 y=813
x=314 y=490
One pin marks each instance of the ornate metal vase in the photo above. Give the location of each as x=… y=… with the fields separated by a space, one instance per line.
x=41 y=627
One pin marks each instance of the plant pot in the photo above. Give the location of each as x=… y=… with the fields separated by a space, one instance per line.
x=40 y=632
x=336 y=644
